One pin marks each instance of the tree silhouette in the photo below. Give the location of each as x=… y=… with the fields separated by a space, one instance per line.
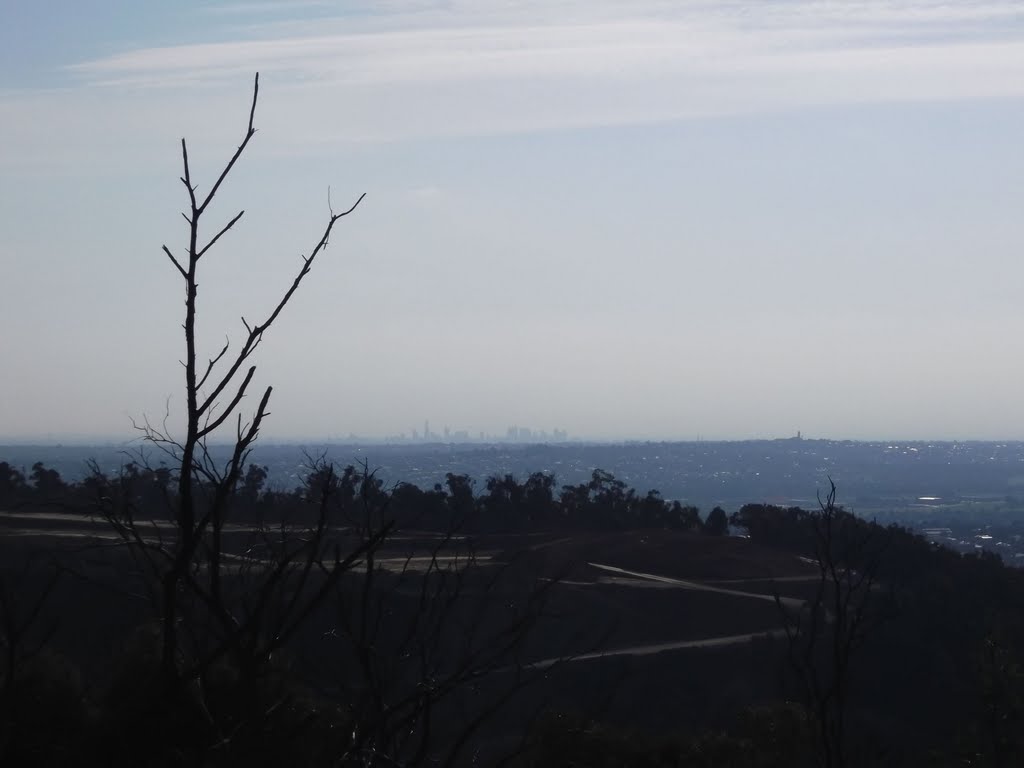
x=229 y=615
x=12 y=483
x=190 y=567
x=825 y=635
x=717 y=523
x=46 y=481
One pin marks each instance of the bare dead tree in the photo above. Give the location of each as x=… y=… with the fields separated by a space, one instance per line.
x=230 y=598
x=190 y=565
x=845 y=608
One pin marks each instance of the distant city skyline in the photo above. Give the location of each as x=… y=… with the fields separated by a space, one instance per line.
x=523 y=436
x=639 y=220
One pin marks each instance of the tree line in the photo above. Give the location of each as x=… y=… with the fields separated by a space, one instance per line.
x=502 y=503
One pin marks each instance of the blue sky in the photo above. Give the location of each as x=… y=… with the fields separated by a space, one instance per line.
x=647 y=220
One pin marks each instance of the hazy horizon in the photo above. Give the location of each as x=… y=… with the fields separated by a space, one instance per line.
x=86 y=441
x=645 y=221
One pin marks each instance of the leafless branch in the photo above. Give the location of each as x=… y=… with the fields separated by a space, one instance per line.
x=256 y=331
x=217 y=237
x=213 y=361
x=238 y=152
x=174 y=261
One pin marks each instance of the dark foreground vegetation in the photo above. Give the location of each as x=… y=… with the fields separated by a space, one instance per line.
x=346 y=623
x=181 y=614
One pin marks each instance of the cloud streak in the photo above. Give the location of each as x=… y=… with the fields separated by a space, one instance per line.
x=411 y=70
x=650 y=41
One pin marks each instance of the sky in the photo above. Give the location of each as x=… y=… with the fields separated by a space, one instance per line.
x=644 y=220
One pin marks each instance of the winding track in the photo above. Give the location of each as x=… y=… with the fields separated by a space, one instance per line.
x=648 y=649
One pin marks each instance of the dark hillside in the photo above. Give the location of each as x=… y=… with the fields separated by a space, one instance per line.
x=655 y=640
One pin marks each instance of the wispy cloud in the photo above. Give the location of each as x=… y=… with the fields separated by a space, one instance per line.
x=435 y=43
x=407 y=69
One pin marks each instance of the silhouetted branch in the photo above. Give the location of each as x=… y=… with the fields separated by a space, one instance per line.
x=213 y=361
x=217 y=237
x=256 y=331
x=238 y=152
x=174 y=261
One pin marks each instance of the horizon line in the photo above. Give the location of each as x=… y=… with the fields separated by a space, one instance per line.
x=110 y=442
